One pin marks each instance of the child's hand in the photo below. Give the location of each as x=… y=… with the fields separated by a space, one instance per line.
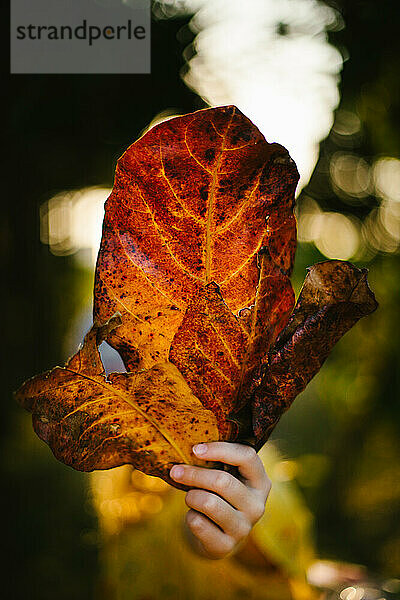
x=219 y=521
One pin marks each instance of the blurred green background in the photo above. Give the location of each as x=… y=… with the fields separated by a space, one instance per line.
x=341 y=437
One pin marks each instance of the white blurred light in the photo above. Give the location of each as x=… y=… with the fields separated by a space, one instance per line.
x=352 y=593
x=350 y=174
x=386 y=174
x=381 y=229
x=72 y=221
x=343 y=236
x=309 y=220
x=334 y=234
x=346 y=123
x=339 y=236
x=272 y=59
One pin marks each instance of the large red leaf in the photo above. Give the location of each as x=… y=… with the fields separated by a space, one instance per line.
x=193 y=201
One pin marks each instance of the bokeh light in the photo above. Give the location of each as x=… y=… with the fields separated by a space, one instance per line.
x=387 y=178
x=334 y=234
x=71 y=222
x=381 y=229
x=272 y=60
x=350 y=175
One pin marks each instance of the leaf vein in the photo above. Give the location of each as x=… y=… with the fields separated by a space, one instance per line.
x=234 y=360
x=248 y=259
x=215 y=368
x=141 y=270
x=139 y=410
x=239 y=213
x=166 y=243
x=210 y=203
x=179 y=200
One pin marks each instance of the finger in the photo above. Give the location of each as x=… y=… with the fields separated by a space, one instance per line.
x=222 y=483
x=215 y=542
x=244 y=457
x=231 y=521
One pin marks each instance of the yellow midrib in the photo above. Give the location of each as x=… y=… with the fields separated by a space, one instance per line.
x=252 y=330
x=211 y=203
x=125 y=398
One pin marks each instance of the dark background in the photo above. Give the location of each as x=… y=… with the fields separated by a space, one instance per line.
x=66 y=132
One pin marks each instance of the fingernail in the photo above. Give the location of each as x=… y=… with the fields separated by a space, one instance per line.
x=200 y=449
x=176 y=472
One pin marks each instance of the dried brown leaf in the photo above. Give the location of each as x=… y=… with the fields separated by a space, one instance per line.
x=335 y=295
x=149 y=419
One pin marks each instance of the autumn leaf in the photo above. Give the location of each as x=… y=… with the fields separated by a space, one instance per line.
x=193 y=202
x=197 y=249
x=334 y=296
x=208 y=349
x=217 y=352
x=149 y=419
